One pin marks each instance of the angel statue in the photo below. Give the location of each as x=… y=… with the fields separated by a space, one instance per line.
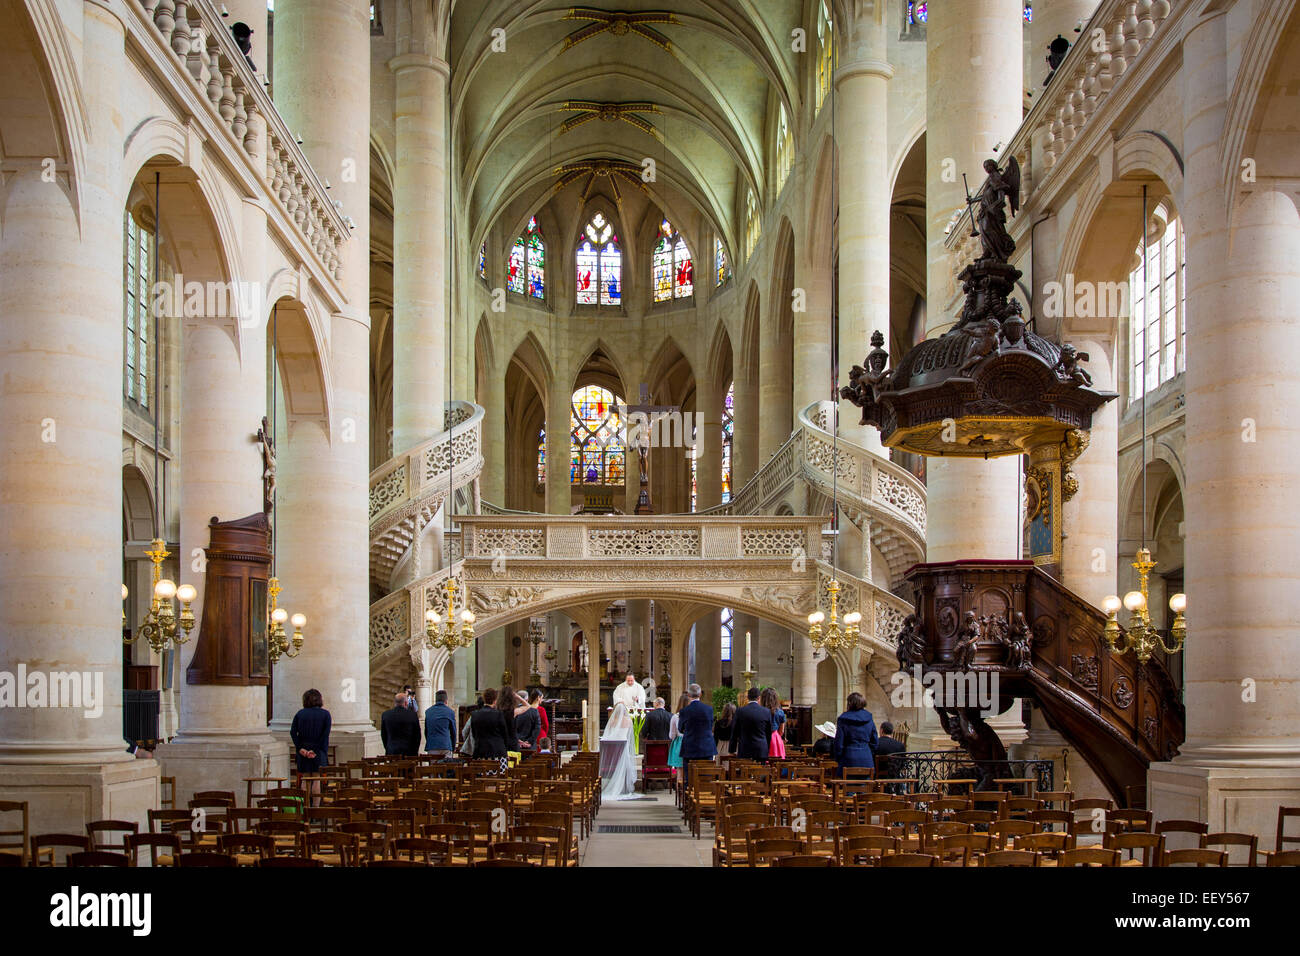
x=1002 y=185
x=968 y=637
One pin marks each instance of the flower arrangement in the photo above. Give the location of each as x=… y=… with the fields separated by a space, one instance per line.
x=638 y=721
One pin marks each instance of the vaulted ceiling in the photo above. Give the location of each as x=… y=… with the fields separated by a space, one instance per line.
x=689 y=85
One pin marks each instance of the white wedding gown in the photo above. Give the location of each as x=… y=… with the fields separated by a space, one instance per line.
x=617 y=766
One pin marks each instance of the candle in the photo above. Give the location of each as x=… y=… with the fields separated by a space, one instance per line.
x=747 y=667
x=584 y=709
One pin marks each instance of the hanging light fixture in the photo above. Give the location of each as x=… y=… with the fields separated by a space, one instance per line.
x=1141 y=636
x=162 y=627
x=445 y=633
x=279 y=644
x=834 y=634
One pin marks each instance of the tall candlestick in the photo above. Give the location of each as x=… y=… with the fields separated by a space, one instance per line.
x=584 y=709
x=747 y=662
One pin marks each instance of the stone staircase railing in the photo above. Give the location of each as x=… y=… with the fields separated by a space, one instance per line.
x=875 y=493
x=408 y=489
x=198 y=40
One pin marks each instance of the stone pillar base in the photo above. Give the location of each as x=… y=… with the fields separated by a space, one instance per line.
x=1240 y=799
x=221 y=762
x=63 y=798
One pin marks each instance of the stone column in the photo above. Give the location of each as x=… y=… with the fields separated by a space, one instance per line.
x=744 y=452
x=559 y=404
x=1089 y=519
x=1242 y=669
x=322 y=87
x=493 y=400
x=61 y=464
x=865 y=194
x=973 y=99
x=419 y=244
x=811 y=379
x=775 y=390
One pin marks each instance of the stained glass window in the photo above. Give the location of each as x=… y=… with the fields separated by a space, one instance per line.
x=526 y=273
x=917 y=12
x=136 y=282
x=674 y=272
x=600 y=264
x=825 y=51
x=1158 y=330
x=541 y=457
x=694 y=455
x=728 y=631
x=1029 y=13
x=596 y=453
x=728 y=436
x=753 y=226
x=722 y=271
x=784 y=149
x=482 y=261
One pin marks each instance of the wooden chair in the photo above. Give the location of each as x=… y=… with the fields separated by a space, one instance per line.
x=909 y=859
x=820 y=828
x=944 y=808
x=321 y=819
x=1048 y=846
x=1283 y=839
x=906 y=825
x=1003 y=831
x=1195 y=857
x=805 y=861
x=224 y=798
x=246 y=819
x=102 y=831
x=864 y=850
x=1089 y=856
x=961 y=849
x=654 y=765
x=530 y=850
x=1284 y=858
x=553 y=837
x=372 y=838
x=333 y=848
x=991 y=800
x=286 y=834
x=1151 y=845
x=10 y=860
x=1055 y=799
x=484 y=825
x=1214 y=841
x=1053 y=821
x=931 y=833
x=731 y=844
x=458 y=836
x=763 y=852
x=99 y=858
x=288 y=861
x=1009 y=858
x=18 y=842
x=976 y=818
x=562 y=821
x=248 y=849
x=45 y=846
x=164 y=848
x=1192 y=828
x=1133 y=821
x=401 y=821
x=429 y=850
x=1019 y=808
x=504 y=861
x=205 y=858
x=167 y=793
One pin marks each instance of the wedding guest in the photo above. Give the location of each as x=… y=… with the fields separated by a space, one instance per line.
x=722 y=727
x=494 y=734
x=695 y=723
x=528 y=726
x=824 y=744
x=751 y=733
x=439 y=725
x=855 y=735
x=770 y=700
x=310 y=733
x=399 y=728
x=675 y=734
x=543 y=718
x=886 y=746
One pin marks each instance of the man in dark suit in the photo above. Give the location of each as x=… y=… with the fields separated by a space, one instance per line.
x=751 y=731
x=695 y=724
x=439 y=725
x=886 y=745
x=399 y=729
x=657 y=721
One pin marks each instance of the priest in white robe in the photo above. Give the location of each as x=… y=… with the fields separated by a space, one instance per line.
x=630 y=694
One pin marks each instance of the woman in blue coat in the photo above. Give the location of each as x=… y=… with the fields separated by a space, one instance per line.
x=855 y=735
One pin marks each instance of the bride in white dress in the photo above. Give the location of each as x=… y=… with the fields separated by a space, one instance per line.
x=617 y=767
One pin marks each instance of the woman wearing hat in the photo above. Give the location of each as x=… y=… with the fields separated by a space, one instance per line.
x=824 y=744
x=855 y=735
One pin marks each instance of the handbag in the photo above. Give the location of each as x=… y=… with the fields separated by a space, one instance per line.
x=776 y=746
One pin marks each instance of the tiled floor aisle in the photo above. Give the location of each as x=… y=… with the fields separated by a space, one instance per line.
x=645 y=849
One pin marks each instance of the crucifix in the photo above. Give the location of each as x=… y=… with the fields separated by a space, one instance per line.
x=640 y=438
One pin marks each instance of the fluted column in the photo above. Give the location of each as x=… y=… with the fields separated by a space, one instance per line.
x=744 y=451
x=559 y=488
x=61 y=462
x=322 y=87
x=1241 y=757
x=811 y=379
x=775 y=390
x=865 y=194
x=973 y=101
x=419 y=247
x=1089 y=519
x=492 y=484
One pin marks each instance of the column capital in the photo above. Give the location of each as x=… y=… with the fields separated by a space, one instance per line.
x=415 y=61
x=864 y=67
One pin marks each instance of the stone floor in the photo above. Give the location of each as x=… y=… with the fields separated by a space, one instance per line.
x=645 y=849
